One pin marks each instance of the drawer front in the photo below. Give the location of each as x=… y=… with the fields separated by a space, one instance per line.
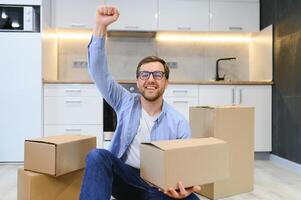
x=182 y=104
x=71 y=90
x=73 y=110
x=181 y=91
x=93 y=130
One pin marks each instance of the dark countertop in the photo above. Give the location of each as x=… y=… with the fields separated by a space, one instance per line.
x=263 y=82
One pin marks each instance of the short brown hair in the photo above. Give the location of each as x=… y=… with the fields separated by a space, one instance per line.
x=149 y=59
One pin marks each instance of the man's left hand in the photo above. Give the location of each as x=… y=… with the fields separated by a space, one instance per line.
x=182 y=192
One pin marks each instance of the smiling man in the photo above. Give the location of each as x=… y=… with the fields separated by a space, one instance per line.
x=141 y=118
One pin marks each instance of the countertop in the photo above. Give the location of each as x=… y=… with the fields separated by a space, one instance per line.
x=262 y=82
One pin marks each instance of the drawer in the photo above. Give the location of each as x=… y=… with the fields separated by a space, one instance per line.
x=182 y=104
x=93 y=130
x=71 y=90
x=73 y=110
x=181 y=91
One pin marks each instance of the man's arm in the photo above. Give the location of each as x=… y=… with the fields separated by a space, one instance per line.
x=98 y=68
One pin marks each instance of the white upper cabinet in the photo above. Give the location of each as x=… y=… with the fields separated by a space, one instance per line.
x=183 y=15
x=135 y=15
x=74 y=13
x=236 y=16
x=162 y=15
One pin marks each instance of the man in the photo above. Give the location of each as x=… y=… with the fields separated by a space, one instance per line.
x=141 y=118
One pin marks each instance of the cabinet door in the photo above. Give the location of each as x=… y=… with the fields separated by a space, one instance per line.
x=261 y=98
x=93 y=130
x=135 y=15
x=234 y=16
x=72 y=110
x=177 y=90
x=219 y=95
x=71 y=90
x=182 y=104
x=21 y=92
x=183 y=15
x=74 y=13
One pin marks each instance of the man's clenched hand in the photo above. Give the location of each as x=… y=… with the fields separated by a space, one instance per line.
x=105 y=15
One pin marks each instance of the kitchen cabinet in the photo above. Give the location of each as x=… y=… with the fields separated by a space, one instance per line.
x=163 y=15
x=74 y=13
x=21 y=92
x=73 y=109
x=257 y=96
x=94 y=130
x=135 y=15
x=183 y=15
x=234 y=15
x=181 y=97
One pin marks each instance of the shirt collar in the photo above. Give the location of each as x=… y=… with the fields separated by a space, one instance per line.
x=164 y=108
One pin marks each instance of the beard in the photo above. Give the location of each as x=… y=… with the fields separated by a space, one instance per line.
x=153 y=96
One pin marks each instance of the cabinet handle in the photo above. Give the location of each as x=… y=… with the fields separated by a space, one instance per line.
x=240 y=96
x=233 y=96
x=73 y=129
x=182 y=28
x=131 y=27
x=78 y=25
x=186 y=102
x=180 y=91
x=73 y=101
x=73 y=90
x=235 y=28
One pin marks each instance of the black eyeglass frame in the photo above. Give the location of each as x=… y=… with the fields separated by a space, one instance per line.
x=139 y=75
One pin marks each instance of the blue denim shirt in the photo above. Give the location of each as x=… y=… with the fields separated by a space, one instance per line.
x=169 y=125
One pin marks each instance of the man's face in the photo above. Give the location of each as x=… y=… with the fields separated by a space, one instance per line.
x=152 y=88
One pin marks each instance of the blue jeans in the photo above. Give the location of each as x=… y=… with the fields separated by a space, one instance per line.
x=106 y=175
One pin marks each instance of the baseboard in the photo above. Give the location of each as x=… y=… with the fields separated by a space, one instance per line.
x=262 y=155
x=295 y=167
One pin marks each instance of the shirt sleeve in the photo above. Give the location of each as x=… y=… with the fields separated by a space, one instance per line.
x=111 y=91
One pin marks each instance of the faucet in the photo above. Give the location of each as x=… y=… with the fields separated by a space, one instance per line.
x=217 y=78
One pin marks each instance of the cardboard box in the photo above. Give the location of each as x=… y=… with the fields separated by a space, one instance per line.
x=35 y=186
x=234 y=124
x=192 y=161
x=57 y=155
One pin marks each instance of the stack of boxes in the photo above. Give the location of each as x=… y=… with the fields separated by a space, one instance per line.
x=53 y=167
x=234 y=124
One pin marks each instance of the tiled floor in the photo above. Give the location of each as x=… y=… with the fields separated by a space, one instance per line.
x=272 y=182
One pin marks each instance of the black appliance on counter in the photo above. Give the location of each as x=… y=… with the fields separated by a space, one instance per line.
x=109 y=115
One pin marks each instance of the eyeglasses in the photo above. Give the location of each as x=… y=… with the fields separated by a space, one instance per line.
x=157 y=75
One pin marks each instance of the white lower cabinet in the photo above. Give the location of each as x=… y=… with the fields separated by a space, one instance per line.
x=182 y=104
x=73 y=109
x=181 y=97
x=92 y=130
x=257 y=96
x=218 y=95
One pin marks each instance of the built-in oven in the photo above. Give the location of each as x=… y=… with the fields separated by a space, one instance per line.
x=109 y=115
x=19 y=18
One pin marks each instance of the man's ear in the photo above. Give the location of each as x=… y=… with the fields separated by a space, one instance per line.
x=166 y=83
x=137 y=84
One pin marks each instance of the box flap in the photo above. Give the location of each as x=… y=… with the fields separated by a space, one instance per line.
x=60 y=139
x=184 y=143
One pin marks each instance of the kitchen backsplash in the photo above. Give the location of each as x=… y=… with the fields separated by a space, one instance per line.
x=195 y=60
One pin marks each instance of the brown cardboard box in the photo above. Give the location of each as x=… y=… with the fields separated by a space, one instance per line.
x=57 y=155
x=234 y=124
x=192 y=161
x=35 y=186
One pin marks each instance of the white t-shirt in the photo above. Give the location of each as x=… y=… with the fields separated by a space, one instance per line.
x=143 y=135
